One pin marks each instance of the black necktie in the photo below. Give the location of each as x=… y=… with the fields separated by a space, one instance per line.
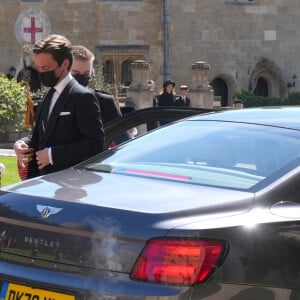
x=45 y=109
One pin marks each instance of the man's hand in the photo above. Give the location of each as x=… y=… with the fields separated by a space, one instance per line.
x=23 y=152
x=42 y=158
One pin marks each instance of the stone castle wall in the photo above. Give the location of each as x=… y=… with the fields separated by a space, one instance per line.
x=239 y=41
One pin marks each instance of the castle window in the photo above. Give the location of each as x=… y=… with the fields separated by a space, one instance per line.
x=116 y=61
x=126 y=75
x=108 y=71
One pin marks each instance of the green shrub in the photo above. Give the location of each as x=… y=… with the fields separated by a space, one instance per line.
x=250 y=100
x=12 y=104
x=293 y=99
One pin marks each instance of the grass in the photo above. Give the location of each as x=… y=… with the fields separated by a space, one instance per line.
x=10 y=174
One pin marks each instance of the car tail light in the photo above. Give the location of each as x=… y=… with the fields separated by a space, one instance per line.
x=182 y=262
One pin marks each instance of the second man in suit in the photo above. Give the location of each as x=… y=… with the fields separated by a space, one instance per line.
x=82 y=70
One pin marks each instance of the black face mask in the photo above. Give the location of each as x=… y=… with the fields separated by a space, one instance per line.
x=82 y=79
x=49 y=78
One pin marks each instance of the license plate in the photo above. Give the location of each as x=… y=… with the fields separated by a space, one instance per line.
x=11 y=291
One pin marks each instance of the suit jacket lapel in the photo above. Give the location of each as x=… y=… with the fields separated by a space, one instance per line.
x=36 y=130
x=57 y=109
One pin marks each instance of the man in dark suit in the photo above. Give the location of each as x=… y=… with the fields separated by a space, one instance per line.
x=68 y=126
x=182 y=99
x=82 y=70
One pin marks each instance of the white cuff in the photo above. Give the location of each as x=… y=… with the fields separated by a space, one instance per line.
x=50 y=155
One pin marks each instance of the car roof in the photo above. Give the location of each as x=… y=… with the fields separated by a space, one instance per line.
x=288 y=116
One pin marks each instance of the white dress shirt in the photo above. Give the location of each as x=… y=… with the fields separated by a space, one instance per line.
x=58 y=90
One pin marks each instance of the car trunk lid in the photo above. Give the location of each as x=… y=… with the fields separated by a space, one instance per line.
x=82 y=221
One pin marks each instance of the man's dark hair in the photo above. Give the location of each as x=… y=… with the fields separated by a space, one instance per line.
x=58 y=46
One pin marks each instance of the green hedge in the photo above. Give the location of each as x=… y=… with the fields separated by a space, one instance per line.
x=12 y=104
x=250 y=100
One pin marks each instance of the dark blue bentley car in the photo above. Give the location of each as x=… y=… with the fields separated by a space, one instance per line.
x=205 y=208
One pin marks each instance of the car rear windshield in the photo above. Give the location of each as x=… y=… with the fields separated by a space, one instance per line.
x=220 y=154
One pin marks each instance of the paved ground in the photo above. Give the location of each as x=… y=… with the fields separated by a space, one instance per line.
x=7 y=152
x=6 y=149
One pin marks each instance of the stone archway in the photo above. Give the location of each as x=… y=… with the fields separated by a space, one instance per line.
x=267 y=73
x=220 y=88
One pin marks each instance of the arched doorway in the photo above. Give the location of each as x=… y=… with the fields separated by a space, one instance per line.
x=266 y=79
x=220 y=89
x=261 y=88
